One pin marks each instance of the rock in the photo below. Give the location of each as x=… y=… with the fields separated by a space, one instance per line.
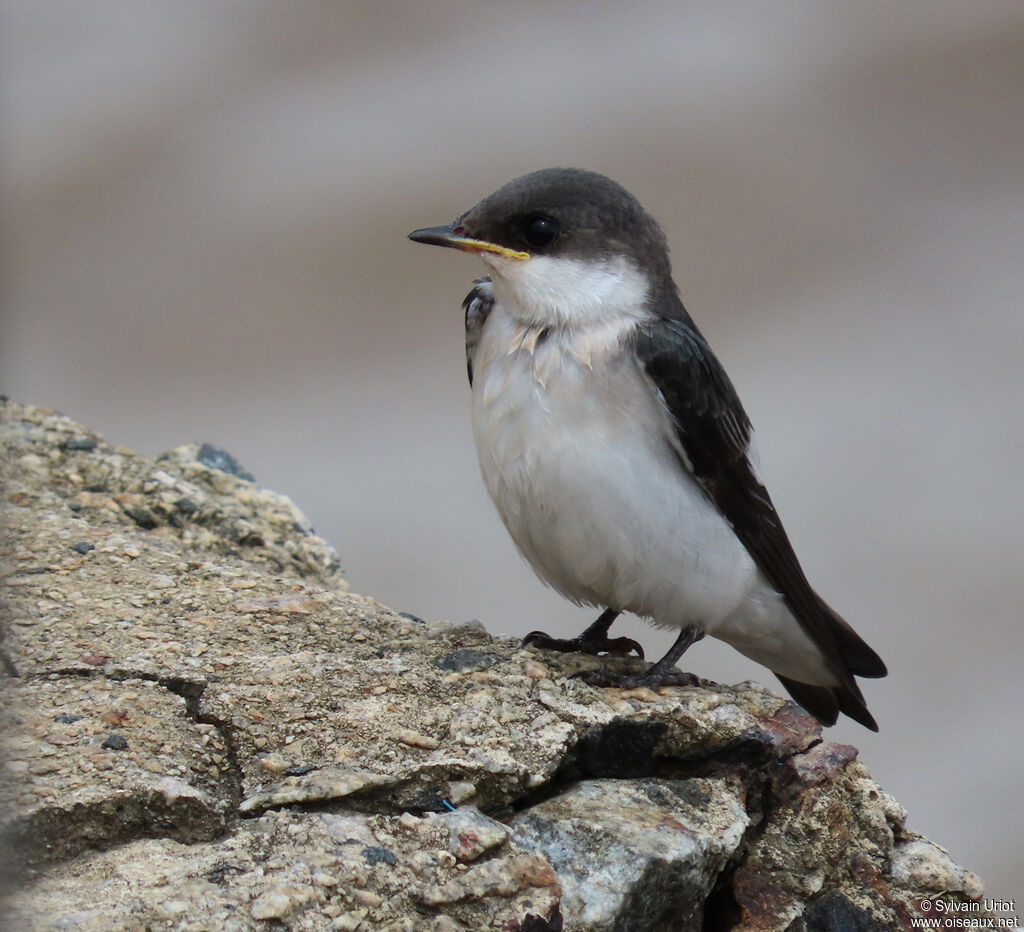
x=498 y=877
x=471 y=833
x=216 y=458
x=90 y=789
x=203 y=729
x=920 y=863
x=282 y=901
x=313 y=785
x=637 y=854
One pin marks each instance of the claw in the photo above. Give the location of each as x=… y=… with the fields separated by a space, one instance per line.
x=663 y=673
x=584 y=645
x=538 y=639
x=624 y=646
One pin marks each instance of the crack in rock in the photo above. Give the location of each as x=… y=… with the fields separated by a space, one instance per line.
x=107 y=760
x=8 y=665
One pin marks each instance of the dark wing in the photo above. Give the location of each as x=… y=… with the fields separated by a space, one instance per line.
x=477 y=306
x=714 y=433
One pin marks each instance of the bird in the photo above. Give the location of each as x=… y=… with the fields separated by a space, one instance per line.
x=616 y=448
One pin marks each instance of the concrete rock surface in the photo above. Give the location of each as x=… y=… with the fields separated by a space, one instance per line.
x=202 y=729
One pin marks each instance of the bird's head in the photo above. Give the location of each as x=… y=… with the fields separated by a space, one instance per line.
x=563 y=245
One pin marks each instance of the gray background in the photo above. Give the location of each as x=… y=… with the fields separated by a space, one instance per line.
x=204 y=218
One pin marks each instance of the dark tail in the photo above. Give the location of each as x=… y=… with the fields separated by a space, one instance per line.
x=826 y=702
x=861 y=659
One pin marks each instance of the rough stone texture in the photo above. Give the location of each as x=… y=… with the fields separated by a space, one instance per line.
x=204 y=730
x=636 y=854
x=93 y=761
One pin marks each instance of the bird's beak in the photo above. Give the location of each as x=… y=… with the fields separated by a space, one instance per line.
x=452 y=235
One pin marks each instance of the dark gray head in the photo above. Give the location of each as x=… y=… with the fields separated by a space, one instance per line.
x=559 y=212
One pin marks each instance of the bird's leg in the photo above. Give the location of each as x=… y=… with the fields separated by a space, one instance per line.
x=660 y=674
x=594 y=640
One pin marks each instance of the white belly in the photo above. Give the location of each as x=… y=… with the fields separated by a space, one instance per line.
x=575 y=452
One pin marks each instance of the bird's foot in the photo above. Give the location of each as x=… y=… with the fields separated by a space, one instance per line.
x=584 y=644
x=652 y=678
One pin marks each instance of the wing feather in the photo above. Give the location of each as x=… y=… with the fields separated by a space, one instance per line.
x=478 y=305
x=714 y=432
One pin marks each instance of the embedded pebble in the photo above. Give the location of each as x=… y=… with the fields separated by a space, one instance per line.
x=536 y=670
x=282 y=901
x=416 y=740
x=471 y=833
x=274 y=763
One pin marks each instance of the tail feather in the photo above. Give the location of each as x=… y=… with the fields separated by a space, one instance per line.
x=859 y=657
x=826 y=702
x=856 y=659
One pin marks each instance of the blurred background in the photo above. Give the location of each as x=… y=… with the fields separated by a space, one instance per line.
x=204 y=210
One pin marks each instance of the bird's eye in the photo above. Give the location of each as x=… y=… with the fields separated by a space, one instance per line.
x=540 y=231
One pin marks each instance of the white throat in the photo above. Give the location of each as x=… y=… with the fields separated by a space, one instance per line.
x=557 y=291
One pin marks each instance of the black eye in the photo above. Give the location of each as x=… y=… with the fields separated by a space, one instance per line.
x=540 y=231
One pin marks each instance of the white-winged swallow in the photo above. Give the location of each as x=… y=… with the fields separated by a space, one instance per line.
x=617 y=451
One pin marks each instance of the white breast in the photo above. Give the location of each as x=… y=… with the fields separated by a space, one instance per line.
x=575 y=448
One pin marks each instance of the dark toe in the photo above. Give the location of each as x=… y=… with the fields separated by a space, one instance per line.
x=622 y=646
x=584 y=645
x=542 y=640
